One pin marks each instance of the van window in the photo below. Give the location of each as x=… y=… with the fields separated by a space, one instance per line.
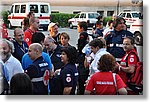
x=136 y=15
x=77 y=15
x=44 y=8
x=34 y=8
x=17 y=7
x=82 y=15
x=93 y=15
x=128 y=15
x=11 y=11
x=122 y=14
x=23 y=8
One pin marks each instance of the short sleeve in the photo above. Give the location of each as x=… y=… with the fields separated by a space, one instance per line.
x=67 y=78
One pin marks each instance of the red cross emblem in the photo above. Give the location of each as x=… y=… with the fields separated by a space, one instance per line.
x=46 y=78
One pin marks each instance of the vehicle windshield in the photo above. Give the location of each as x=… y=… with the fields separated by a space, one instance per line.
x=77 y=16
x=93 y=15
x=135 y=15
x=44 y=8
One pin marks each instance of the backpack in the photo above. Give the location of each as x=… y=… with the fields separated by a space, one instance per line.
x=135 y=80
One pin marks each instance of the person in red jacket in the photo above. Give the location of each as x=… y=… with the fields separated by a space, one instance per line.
x=105 y=82
x=129 y=61
x=34 y=26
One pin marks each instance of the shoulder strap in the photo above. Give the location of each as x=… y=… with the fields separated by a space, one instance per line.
x=114 y=77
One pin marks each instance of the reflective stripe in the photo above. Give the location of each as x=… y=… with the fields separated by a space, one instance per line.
x=118 y=59
x=76 y=74
x=37 y=79
x=117 y=45
x=111 y=45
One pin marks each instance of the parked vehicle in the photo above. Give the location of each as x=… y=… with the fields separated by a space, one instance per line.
x=137 y=29
x=20 y=10
x=130 y=17
x=89 y=17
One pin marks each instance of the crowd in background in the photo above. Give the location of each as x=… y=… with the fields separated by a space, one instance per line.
x=35 y=64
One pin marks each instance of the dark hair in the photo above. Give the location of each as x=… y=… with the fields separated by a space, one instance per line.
x=71 y=53
x=99 y=22
x=131 y=39
x=109 y=22
x=83 y=25
x=37 y=37
x=82 y=41
x=26 y=21
x=118 y=21
x=30 y=13
x=20 y=84
x=106 y=63
x=65 y=35
x=97 y=43
x=99 y=17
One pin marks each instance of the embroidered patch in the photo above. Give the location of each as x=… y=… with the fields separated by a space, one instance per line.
x=46 y=78
x=27 y=39
x=68 y=79
x=131 y=59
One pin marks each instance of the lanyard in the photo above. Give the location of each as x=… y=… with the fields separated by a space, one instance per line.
x=23 y=48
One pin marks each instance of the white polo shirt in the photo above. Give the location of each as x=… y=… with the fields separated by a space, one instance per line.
x=13 y=66
x=96 y=57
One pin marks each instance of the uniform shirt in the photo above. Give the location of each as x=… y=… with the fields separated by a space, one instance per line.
x=130 y=58
x=28 y=36
x=26 y=61
x=56 y=58
x=68 y=77
x=103 y=83
x=114 y=39
x=19 y=50
x=99 y=32
x=39 y=70
x=57 y=38
x=96 y=57
x=13 y=66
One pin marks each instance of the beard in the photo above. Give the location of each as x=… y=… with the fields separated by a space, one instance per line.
x=4 y=56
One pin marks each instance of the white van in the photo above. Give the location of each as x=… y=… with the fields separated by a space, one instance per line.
x=20 y=10
x=89 y=17
x=130 y=17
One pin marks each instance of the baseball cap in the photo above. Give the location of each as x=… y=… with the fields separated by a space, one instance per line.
x=51 y=25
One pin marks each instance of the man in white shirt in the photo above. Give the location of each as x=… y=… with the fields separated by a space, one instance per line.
x=12 y=64
x=98 y=49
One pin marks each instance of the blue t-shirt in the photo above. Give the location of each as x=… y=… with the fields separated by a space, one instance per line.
x=26 y=61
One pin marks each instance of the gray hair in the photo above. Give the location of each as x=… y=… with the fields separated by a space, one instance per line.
x=10 y=44
x=50 y=39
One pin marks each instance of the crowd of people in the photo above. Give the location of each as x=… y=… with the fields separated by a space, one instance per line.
x=35 y=64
